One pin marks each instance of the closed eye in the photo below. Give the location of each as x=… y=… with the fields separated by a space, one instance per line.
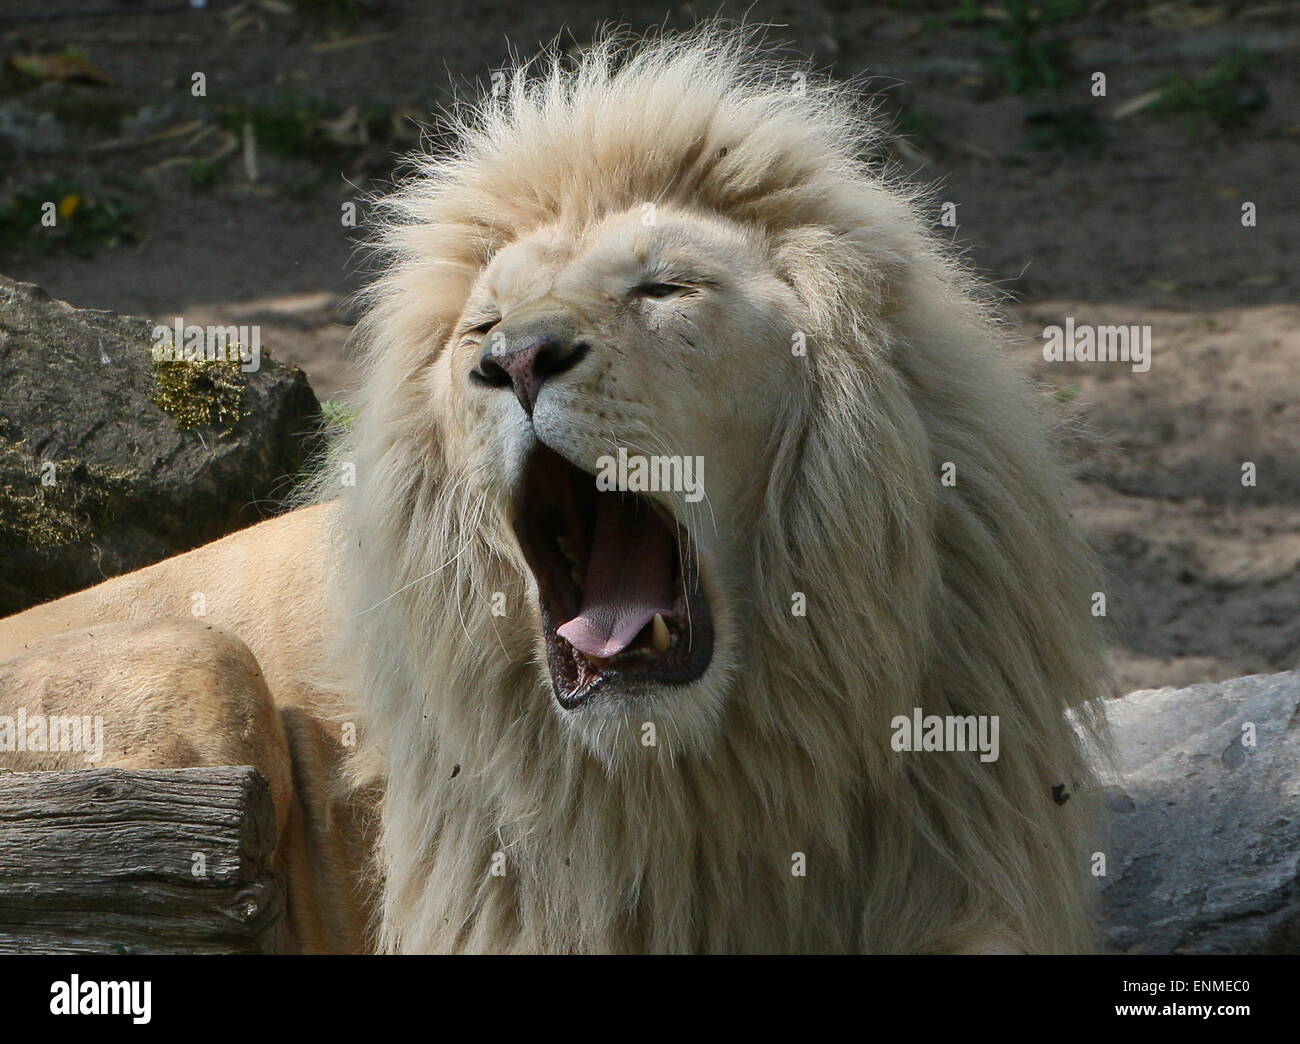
x=662 y=290
x=481 y=327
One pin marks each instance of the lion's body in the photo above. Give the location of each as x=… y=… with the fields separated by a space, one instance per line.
x=241 y=677
x=772 y=813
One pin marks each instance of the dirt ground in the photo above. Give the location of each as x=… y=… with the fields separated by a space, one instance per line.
x=1122 y=208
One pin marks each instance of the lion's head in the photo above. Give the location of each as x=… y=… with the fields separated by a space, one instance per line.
x=668 y=268
x=618 y=390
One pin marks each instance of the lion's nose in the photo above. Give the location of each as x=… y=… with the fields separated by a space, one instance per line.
x=526 y=359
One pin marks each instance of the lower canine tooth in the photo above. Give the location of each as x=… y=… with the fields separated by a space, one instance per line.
x=659 y=637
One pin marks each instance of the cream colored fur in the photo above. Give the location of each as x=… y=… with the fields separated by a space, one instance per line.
x=253 y=680
x=509 y=824
x=824 y=479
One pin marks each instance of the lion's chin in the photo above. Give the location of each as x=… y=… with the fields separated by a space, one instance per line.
x=624 y=614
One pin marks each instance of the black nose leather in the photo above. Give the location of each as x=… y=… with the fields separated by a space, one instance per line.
x=526 y=360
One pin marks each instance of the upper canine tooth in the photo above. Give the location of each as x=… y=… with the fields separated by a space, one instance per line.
x=659 y=637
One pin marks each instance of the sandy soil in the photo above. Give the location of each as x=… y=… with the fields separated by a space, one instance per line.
x=1203 y=571
x=1113 y=216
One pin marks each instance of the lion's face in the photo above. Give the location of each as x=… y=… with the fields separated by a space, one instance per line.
x=614 y=393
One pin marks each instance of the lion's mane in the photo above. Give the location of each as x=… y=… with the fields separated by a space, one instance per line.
x=972 y=598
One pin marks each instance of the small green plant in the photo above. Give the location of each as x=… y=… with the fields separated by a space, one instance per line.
x=203 y=173
x=1226 y=94
x=1070 y=128
x=1027 y=61
x=57 y=215
x=339 y=12
x=967 y=12
x=285 y=126
x=964 y=13
x=339 y=414
x=304 y=127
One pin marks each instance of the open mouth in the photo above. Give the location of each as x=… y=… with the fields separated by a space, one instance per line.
x=622 y=606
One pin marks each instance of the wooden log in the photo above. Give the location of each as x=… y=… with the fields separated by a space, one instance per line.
x=149 y=861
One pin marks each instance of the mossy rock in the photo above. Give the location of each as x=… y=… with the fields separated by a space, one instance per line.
x=111 y=460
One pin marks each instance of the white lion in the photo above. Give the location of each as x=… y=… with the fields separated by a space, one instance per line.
x=650 y=720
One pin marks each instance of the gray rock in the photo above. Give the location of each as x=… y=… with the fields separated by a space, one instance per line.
x=110 y=461
x=1205 y=827
x=21 y=130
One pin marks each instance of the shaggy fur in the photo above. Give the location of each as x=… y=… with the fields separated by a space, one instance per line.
x=969 y=599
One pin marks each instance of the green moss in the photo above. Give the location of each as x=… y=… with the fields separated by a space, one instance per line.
x=200 y=393
x=66 y=512
x=32 y=514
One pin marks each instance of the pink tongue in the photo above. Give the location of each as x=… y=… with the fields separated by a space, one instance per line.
x=629 y=577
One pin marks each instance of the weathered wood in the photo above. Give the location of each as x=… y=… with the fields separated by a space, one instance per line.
x=150 y=861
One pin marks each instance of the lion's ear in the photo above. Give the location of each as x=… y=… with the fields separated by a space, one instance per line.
x=838 y=271
x=794 y=254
